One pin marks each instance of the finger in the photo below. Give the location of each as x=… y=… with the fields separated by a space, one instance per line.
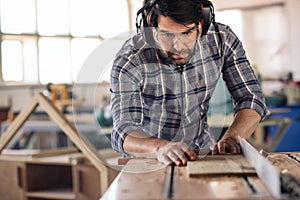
x=221 y=147
x=188 y=153
x=233 y=146
x=165 y=159
x=215 y=150
x=237 y=146
x=174 y=158
x=181 y=156
x=230 y=146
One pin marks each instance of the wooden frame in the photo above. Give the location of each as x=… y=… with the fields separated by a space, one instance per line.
x=80 y=142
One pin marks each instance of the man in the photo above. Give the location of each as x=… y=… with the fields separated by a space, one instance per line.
x=163 y=78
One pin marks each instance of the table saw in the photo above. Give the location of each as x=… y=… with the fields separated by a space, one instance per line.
x=242 y=176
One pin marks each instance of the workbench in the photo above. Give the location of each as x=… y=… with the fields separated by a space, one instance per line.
x=149 y=179
x=51 y=175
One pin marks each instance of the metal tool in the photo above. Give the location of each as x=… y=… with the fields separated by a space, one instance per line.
x=170 y=183
x=267 y=172
x=290 y=186
x=172 y=174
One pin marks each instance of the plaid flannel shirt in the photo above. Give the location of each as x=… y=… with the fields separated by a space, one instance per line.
x=171 y=102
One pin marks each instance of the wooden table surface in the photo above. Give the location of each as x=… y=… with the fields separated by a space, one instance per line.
x=148 y=179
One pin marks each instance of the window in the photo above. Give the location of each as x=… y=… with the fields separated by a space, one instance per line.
x=270 y=39
x=46 y=41
x=232 y=18
x=12 y=69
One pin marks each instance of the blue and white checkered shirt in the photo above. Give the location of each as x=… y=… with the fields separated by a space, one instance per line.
x=170 y=102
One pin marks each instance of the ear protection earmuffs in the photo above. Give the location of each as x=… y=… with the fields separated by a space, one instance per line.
x=208 y=16
x=143 y=26
x=142 y=23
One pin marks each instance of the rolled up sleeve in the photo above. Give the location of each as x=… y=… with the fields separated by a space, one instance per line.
x=240 y=78
x=126 y=103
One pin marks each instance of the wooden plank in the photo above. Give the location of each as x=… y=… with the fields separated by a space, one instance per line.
x=17 y=123
x=13 y=180
x=143 y=165
x=219 y=187
x=123 y=161
x=220 y=165
x=140 y=179
x=81 y=142
x=146 y=179
x=54 y=194
x=38 y=152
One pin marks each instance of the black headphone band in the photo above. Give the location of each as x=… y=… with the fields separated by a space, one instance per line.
x=207 y=19
x=207 y=13
x=141 y=11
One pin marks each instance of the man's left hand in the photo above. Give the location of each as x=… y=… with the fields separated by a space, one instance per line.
x=227 y=145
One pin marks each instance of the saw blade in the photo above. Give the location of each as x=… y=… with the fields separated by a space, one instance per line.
x=267 y=172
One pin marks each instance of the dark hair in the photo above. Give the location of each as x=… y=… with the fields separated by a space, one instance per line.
x=181 y=11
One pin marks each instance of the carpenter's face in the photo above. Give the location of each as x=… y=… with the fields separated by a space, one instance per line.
x=177 y=41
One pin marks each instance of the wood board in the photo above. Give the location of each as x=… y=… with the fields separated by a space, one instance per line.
x=220 y=165
x=39 y=152
x=107 y=174
x=139 y=179
x=135 y=183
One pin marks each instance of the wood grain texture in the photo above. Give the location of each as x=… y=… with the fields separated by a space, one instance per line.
x=146 y=179
x=220 y=165
x=67 y=127
x=219 y=187
x=140 y=179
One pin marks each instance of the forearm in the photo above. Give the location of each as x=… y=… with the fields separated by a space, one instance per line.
x=141 y=144
x=244 y=124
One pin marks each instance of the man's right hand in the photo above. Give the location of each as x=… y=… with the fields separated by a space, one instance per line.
x=176 y=152
x=140 y=144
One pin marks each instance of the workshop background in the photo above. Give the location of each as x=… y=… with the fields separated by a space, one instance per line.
x=44 y=45
x=55 y=119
